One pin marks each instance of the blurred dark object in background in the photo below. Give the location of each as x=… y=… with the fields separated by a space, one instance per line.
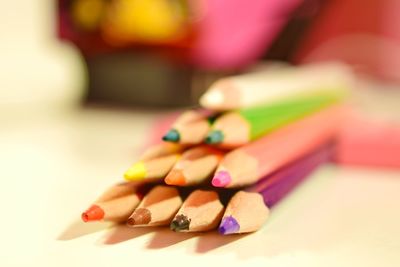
x=138 y=78
x=290 y=38
x=166 y=52
x=145 y=79
x=187 y=44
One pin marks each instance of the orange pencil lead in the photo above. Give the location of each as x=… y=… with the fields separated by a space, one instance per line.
x=175 y=177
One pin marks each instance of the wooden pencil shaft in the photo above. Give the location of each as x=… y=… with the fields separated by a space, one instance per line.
x=158 y=168
x=191 y=127
x=156 y=163
x=199 y=152
x=158 y=207
x=193 y=115
x=119 y=209
x=201 y=211
x=116 y=203
x=160 y=150
x=245 y=212
x=197 y=164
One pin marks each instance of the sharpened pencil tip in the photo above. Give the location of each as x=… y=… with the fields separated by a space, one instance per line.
x=94 y=213
x=136 y=172
x=228 y=226
x=172 y=136
x=212 y=98
x=140 y=216
x=214 y=137
x=175 y=177
x=221 y=179
x=180 y=223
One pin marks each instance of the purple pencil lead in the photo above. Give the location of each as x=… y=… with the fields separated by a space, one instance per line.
x=228 y=226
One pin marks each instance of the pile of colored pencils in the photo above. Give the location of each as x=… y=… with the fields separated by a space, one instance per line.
x=224 y=166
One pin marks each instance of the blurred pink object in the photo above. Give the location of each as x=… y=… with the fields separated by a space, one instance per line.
x=364 y=142
x=233 y=33
x=363 y=33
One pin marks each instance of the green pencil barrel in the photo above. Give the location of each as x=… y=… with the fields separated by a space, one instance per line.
x=264 y=119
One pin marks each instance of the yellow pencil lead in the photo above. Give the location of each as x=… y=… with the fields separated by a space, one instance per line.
x=136 y=172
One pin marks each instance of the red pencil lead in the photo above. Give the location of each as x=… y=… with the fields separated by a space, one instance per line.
x=94 y=213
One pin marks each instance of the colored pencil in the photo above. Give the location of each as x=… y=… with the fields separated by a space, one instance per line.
x=263 y=87
x=298 y=167
x=116 y=204
x=195 y=166
x=200 y=212
x=248 y=210
x=248 y=164
x=236 y=128
x=277 y=186
x=157 y=208
x=191 y=127
x=155 y=163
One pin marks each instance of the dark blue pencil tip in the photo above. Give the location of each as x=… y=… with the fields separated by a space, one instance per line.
x=228 y=226
x=171 y=136
x=214 y=137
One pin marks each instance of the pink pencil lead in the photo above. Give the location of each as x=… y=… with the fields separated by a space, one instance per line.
x=221 y=179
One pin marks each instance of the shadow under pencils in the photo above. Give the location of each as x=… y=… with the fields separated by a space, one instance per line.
x=122 y=233
x=79 y=229
x=164 y=237
x=213 y=240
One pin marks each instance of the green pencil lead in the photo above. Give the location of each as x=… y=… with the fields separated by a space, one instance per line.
x=214 y=137
x=171 y=136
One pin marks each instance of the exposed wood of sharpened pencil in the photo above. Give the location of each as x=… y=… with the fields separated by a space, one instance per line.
x=115 y=202
x=195 y=166
x=161 y=149
x=155 y=162
x=154 y=169
x=245 y=212
x=200 y=212
x=251 y=162
x=115 y=210
x=157 y=208
x=190 y=128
